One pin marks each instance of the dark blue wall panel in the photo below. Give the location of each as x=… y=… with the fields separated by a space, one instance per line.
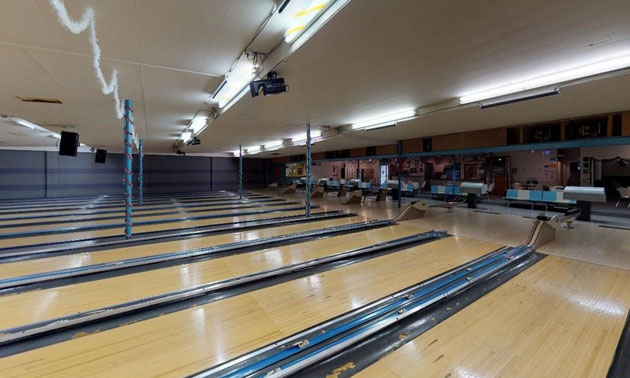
x=35 y=174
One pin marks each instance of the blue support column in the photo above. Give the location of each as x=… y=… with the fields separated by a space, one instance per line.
x=399 y=173
x=240 y=172
x=358 y=170
x=127 y=167
x=140 y=171
x=308 y=170
x=453 y=174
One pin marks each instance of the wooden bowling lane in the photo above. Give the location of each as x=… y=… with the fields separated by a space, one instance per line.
x=88 y=223
x=146 y=207
x=506 y=229
x=591 y=243
x=42 y=239
x=559 y=318
x=185 y=342
x=41 y=265
x=26 y=308
x=118 y=202
x=140 y=214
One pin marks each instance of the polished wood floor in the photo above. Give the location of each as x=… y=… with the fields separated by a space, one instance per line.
x=26 y=308
x=184 y=342
x=560 y=318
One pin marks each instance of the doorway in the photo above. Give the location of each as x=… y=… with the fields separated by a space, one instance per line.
x=384 y=174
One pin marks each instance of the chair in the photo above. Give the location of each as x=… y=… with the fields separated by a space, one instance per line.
x=423 y=187
x=489 y=189
x=624 y=194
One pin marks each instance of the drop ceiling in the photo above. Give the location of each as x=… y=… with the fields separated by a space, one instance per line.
x=373 y=57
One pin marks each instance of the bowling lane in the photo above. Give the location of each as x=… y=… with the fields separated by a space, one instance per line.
x=88 y=223
x=22 y=268
x=120 y=203
x=559 y=318
x=26 y=308
x=140 y=213
x=184 y=342
x=42 y=239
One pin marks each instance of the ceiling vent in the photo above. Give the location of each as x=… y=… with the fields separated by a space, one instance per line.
x=39 y=100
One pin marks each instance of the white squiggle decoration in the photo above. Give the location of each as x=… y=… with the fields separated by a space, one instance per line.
x=77 y=27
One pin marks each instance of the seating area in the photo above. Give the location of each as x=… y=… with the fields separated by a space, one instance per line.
x=451 y=190
x=534 y=197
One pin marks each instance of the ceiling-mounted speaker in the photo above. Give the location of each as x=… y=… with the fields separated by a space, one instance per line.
x=101 y=155
x=68 y=144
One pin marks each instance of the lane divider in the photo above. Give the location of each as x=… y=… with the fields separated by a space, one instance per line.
x=164 y=235
x=141 y=223
x=172 y=256
x=181 y=206
x=114 y=204
x=142 y=215
x=19 y=333
x=290 y=355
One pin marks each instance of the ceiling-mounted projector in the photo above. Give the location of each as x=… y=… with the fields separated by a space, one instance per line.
x=194 y=141
x=272 y=85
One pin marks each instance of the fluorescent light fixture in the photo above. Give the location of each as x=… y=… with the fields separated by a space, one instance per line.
x=302 y=136
x=252 y=150
x=273 y=144
x=318 y=24
x=304 y=14
x=186 y=136
x=25 y=123
x=199 y=122
x=33 y=126
x=235 y=152
x=574 y=73
x=235 y=99
x=238 y=78
x=384 y=120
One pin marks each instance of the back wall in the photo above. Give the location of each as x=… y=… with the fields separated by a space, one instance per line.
x=45 y=174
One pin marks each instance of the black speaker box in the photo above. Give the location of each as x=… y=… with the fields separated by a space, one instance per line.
x=101 y=155
x=68 y=144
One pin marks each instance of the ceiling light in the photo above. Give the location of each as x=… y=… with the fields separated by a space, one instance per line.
x=199 y=122
x=306 y=11
x=252 y=150
x=32 y=126
x=384 y=120
x=576 y=72
x=273 y=144
x=25 y=123
x=238 y=78
x=186 y=136
x=332 y=10
x=302 y=136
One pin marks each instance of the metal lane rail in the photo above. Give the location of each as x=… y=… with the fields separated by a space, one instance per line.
x=35 y=329
x=141 y=223
x=113 y=204
x=141 y=238
x=183 y=255
x=176 y=206
x=292 y=354
x=143 y=215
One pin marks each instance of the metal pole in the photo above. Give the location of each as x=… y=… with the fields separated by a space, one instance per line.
x=453 y=176
x=359 y=169
x=140 y=171
x=240 y=172
x=308 y=170
x=399 y=173
x=127 y=162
